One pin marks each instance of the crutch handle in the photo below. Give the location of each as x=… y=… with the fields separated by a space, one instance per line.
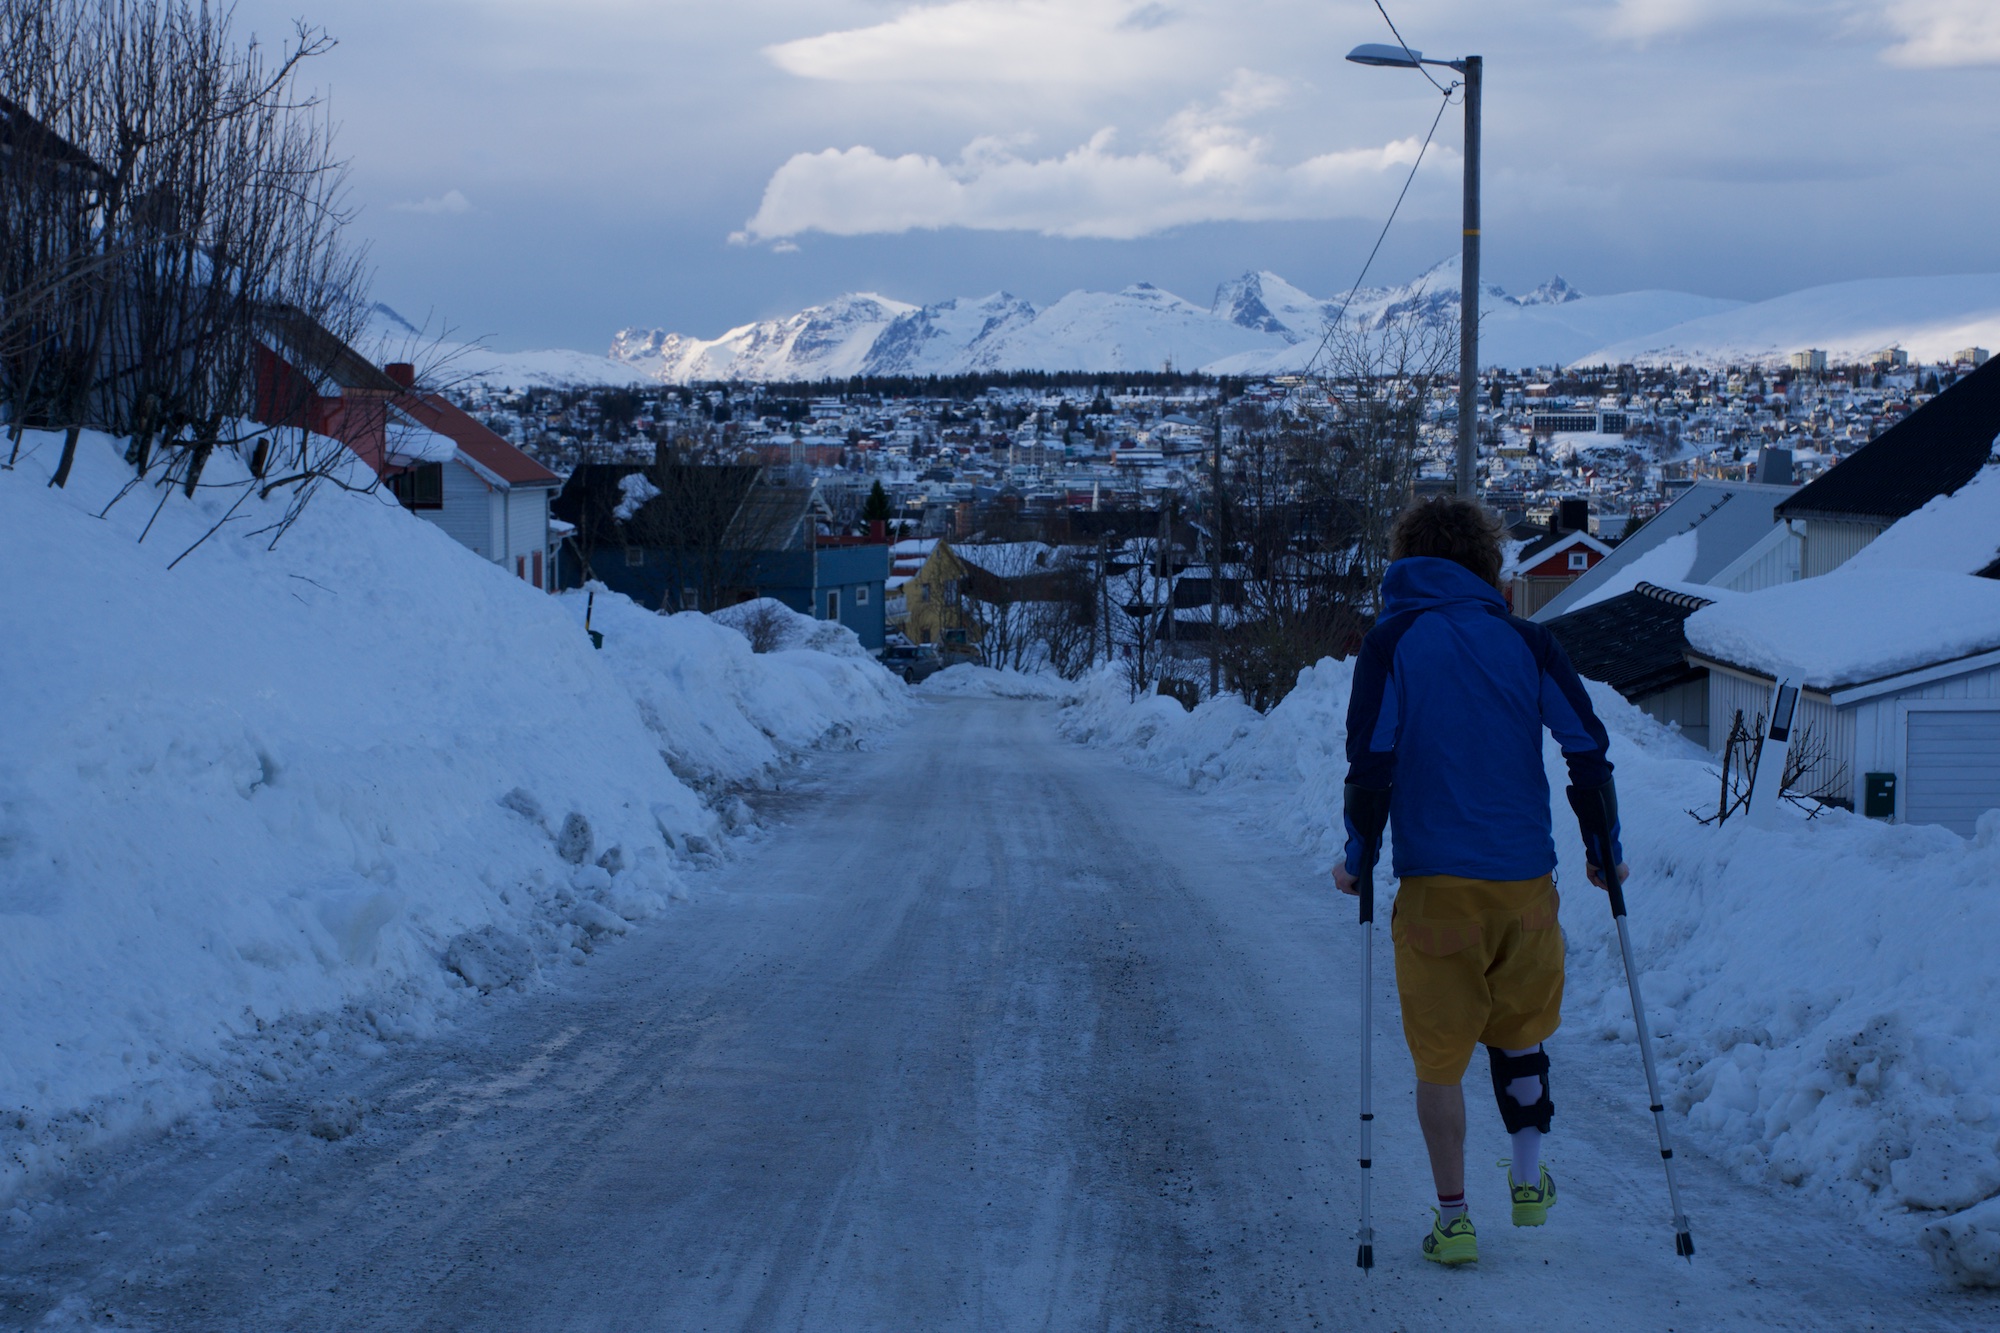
x=1597 y=814
x=1367 y=808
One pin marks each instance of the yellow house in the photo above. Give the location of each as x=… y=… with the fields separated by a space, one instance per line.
x=935 y=596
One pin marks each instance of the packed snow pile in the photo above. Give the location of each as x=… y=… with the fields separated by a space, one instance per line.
x=284 y=803
x=819 y=688
x=967 y=681
x=1823 y=992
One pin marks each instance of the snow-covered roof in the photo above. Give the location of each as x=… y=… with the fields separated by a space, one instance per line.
x=410 y=443
x=1724 y=519
x=1851 y=626
x=1958 y=533
x=1008 y=559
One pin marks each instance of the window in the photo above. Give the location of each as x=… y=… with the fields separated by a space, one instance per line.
x=419 y=487
x=924 y=592
x=1579 y=560
x=635 y=556
x=690 y=599
x=861 y=595
x=833 y=605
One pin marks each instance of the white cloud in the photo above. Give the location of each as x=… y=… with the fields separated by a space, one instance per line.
x=1032 y=42
x=1640 y=21
x=451 y=201
x=1945 y=32
x=1206 y=169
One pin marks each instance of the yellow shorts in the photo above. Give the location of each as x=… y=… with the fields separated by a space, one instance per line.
x=1477 y=961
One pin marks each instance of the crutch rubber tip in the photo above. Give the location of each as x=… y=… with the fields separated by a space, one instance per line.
x=1366 y=1258
x=1684 y=1245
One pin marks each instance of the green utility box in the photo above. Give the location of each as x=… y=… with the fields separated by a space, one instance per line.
x=1879 y=795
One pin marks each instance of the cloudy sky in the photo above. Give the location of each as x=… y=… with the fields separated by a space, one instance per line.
x=544 y=172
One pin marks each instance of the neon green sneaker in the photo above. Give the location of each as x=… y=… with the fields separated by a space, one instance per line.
x=1532 y=1202
x=1451 y=1243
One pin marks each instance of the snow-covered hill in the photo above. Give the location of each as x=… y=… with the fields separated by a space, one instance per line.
x=1257 y=324
x=1931 y=318
x=391 y=337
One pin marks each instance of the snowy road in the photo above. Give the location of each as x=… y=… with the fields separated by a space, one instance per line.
x=992 y=1033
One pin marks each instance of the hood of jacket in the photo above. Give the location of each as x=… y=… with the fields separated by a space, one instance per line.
x=1427 y=583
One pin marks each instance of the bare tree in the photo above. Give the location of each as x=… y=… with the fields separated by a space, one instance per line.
x=165 y=190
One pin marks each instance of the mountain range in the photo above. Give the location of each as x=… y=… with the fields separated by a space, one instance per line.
x=1256 y=324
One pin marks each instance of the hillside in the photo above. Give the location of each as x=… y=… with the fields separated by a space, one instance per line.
x=1931 y=318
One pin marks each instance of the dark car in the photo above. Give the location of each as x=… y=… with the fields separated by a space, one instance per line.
x=913 y=662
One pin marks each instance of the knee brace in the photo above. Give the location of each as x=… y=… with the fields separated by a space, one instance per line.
x=1507 y=1068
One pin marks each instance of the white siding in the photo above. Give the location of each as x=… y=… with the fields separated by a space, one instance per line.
x=1829 y=544
x=1772 y=561
x=1868 y=737
x=1731 y=691
x=467 y=516
x=1685 y=706
x=527 y=522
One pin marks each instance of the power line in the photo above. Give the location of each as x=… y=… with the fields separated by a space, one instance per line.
x=1406 y=47
x=1334 y=323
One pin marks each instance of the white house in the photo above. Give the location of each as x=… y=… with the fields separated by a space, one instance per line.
x=1897 y=654
x=455 y=472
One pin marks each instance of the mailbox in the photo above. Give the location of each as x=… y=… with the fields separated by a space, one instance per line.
x=1879 y=795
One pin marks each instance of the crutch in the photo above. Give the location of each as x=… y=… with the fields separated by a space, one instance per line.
x=1368 y=809
x=1597 y=812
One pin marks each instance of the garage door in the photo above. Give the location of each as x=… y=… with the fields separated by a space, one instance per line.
x=1954 y=770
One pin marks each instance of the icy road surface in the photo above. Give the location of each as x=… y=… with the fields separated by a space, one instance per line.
x=991 y=1033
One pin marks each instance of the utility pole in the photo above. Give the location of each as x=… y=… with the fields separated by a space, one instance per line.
x=1472 y=68
x=1215 y=563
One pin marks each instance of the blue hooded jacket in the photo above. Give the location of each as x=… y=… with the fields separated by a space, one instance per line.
x=1450 y=697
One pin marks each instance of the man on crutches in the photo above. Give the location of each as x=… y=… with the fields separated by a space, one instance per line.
x=1451 y=694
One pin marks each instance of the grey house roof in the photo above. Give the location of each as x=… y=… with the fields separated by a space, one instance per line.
x=1727 y=518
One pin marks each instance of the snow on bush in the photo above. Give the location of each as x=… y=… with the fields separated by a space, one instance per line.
x=1823 y=992
x=276 y=805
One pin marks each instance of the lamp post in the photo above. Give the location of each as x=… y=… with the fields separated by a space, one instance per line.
x=1471 y=69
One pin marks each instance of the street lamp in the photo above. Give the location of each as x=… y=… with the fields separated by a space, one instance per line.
x=1470 y=69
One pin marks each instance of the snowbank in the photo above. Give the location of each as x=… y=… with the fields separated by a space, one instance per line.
x=1823 y=992
x=967 y=681
x=274 y=806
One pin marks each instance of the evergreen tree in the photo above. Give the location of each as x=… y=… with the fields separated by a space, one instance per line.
x=876 y=508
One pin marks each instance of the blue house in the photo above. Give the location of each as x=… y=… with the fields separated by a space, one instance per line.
x=697 y=537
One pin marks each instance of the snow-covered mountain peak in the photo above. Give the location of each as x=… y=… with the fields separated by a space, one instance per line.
x=1257 y=323
x=1555 y=291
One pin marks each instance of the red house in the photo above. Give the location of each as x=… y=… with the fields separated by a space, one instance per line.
x=1549 y=564
x=438 y=461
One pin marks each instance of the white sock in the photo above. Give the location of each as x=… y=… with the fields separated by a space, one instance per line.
x=1527 y=1166
x=1450 y=1210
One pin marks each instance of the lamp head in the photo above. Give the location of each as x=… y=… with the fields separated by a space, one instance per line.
x=1390 y=57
